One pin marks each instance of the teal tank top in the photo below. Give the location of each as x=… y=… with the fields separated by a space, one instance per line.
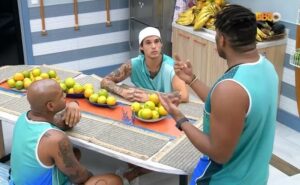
x=249 y=163
x=162 y=82
x=26 y=168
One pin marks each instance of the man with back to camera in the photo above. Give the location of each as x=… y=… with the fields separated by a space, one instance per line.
x=240 y=109
x=150 y=70
x=41 y=152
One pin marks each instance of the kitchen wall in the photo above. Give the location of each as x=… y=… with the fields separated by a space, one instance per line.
x=92 y=47
x=287 y=111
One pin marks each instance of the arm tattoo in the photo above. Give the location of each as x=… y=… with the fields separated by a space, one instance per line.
x=109 y=82
x=77 y=173
x=66 y=153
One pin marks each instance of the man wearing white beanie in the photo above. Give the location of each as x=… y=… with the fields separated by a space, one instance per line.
x=151 y=70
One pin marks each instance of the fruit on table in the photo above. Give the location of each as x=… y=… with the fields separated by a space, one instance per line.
x=154 y=98
x=135 y=107
x=27 y=77
x=44 y=75
x=162 y=111
x=78 y=88
x=150 y=110
x=26 y=74
x=19 y=85
x=11 y=83
x=111 y=100
x=52 y=74
x=146 y=113
x=36 y=72
x=70 y=82
x=27 y=82
x=93 y=98
x=155 y=114
x=88 y=92
x=101 y=100
x=70 y=91
x=18 y=77
x=88 y=86
x=103 y=92
x=63 y=86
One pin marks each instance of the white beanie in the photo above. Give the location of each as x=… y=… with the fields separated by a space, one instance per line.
x=146 y=32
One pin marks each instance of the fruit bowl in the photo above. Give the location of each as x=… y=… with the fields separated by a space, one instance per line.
x=18 y=90
x=149 y=120
x=75 y=95
x=103 y=105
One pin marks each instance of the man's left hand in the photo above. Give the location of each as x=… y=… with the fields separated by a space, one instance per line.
x=72 y=114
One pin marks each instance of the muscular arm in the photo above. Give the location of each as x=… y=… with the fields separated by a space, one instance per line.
x=109 y=82
x=229 y=104
x=179 y=85
x=201 y=89
x=55 y=147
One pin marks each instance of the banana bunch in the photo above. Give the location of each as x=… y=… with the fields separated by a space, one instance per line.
x=263 y=34
x=187 y=17
x=210 y=24
x=202 y=14
x=208 y=11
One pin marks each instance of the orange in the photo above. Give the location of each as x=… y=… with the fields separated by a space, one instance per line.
x=18 y=77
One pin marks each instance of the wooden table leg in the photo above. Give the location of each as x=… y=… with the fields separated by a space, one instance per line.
x=183 y=180
x=2 y=149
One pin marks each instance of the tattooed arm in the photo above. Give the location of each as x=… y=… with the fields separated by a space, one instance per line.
x=109 y=82
x=131 y=94
x=56 y=148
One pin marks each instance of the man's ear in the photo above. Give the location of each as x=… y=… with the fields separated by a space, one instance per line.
x=222 y=40
x=50 y=106
x=141 y=48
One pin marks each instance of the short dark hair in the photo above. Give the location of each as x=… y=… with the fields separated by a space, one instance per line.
x=238 y=24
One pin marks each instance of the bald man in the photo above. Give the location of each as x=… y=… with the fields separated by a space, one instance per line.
x=42 y=153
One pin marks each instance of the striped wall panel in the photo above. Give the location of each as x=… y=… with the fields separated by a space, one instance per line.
x=93 y=46
x=287 y=111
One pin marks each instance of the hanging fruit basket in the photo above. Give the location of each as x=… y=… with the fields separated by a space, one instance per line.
x=295 y=58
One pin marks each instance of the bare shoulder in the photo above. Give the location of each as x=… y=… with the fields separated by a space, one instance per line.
x=55 y=135
x=230 y=93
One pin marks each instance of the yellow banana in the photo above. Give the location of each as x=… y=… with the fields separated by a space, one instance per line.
x=258 y=38
x=200 y=21
x=261 y=34
x=187 y=17
x=185 y=20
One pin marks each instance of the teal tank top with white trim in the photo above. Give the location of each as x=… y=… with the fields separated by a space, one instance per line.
x=249 y=163
x=162 y=82
x=26 y=168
